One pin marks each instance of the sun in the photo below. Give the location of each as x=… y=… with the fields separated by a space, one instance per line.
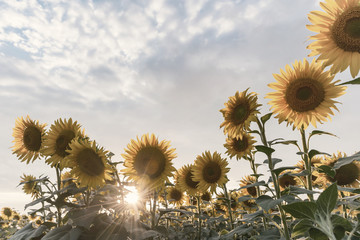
x=132 y=197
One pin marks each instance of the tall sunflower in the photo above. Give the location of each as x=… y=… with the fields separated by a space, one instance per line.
x=184 y=178
x=304 y=94
x=175 y=195
x=30 y=186
x=28 y=140
x=338 y=38
x=238 y=113
x=88 y=163
x=347 y=175
x=240 y=146
x=248 y=180
x=210 y=171
x=148 y=161
x=57 y=141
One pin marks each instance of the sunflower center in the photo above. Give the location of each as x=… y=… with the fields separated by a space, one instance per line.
x=304 y=94
x=175 y=195
x=150 y=161
x=62 y=142
x=189 y=181
x=90 y=163
x=286 y=181
x=233 y=203
x=32 y=138
x=251 y=191
x=241 y=113
x=240 y=145
x=206 y=197
x=346 y=30
x=346 y=174
x=211 y=172
x=7 y=212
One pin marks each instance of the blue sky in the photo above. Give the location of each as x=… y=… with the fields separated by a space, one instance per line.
x=125 y=68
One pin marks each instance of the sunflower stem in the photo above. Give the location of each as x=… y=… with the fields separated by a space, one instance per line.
x=274 y=179
x=307 y=162
x=199 y=215
x=343 y=206
x=153 y=215
x=58 y=176
x=228 y=198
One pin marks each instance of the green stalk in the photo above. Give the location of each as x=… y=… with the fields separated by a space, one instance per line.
x=307 y=162
x=153 y=215
x=58 y=176
x=199 y=213
x=274 y=178
x=228 y=198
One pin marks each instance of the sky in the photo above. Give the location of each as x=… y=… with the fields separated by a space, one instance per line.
x=126 y=68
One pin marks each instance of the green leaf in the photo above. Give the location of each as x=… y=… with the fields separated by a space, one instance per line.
x=298 y=190
x=317 y=234
x=327 y=170
x=326 y=201
x=301 y=209
x=273 y=160
x=265 y=118
x=261 y=183
x=318 y=132
x=355 y=81
x=84 y=217
x=346 y=160
x=301 y=228
x=340 y=221
x=313 y=153
x=28 y=232
x=240 y=230
x=244 y=198
x=287 y=142
x=279 y=170
x=352 y=190
x=267 y=202
x=252 y=216
x=267 y=150
x=274 y=140
x=63 y=233
x=339 y=232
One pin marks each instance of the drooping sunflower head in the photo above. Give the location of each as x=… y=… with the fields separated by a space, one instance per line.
x=7 y=213
x=30 y=186
x=234 y=203
x=148 y=161
x=338 y=38
x=57 y=141
x=28 y=138
x=239 y=112
x=210 y=171
x=175 y=195
x=88 y=163
x=248 y=180
x=67 y=179
x=206 y=196
x=184 y=178
x=347 y=175
x=240 y=146
x=304 y=94
x=286 y=180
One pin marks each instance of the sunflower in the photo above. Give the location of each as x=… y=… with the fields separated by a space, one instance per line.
x=88 y=163
x=7 y=213
x=184 y=178
x=66 y=179
x=286 y=180
x=57 y=141
x=248 y=180
x=28 y=140
x=175 y=195
x=347 y=175
x=206 y=196
x=210 y=171
x=248 y=205
x=234 y=203
x=304 y=94
x=338 y=38
x=240 y=146
x=30 y=186
x=148 y=161
x=238 y=113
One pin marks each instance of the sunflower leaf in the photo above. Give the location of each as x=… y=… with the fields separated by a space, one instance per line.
x=314 y=152
x=287 y=142
x=346 y=160
x=303 y=226
x=301 y=210
x=326 y=201
x=327 y=170
x=318 y=132
x=265 y=118
x=298 y=190
x=352 y=190
x=261 y=183
x=279 y=170
x=274 y=161
x=29 y=232
x=267 y=202
x=355 y=81
x=64 y=233
x=267 y=150
x=274 y=140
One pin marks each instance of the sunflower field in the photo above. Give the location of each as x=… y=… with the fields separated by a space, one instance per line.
x=148 y=198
